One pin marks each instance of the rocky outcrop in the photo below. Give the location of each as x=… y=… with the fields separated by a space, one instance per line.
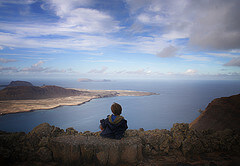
x=222 y=113
x=80 y=149
x=35 y=92
x=50 y=145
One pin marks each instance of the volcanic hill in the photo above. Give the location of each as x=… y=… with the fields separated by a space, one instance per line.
x=222 y=113
x=35 y=92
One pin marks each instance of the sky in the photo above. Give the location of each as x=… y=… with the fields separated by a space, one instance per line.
x=120 y=39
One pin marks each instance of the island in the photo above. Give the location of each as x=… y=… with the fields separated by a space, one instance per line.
x=16 y=99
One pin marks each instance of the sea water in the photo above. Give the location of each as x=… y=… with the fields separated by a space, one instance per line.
x=176 y=102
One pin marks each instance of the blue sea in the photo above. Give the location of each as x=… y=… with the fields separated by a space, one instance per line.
x=176 y=102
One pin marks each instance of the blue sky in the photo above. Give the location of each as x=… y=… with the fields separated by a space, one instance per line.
x=120 y=39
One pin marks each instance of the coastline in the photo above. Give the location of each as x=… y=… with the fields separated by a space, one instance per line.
x=19 y=106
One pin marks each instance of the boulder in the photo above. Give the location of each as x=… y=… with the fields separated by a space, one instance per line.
x=81 y=149
x=71 y=131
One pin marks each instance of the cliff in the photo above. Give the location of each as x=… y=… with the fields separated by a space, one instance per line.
x=35 y=92
x=222 y=113
x=50 y=145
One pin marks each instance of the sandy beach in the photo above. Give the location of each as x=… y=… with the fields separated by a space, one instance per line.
x=17 y=106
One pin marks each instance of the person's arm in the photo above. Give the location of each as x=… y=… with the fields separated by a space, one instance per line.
x=103 y=124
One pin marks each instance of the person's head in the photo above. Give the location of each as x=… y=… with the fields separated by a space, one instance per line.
x=116 y=109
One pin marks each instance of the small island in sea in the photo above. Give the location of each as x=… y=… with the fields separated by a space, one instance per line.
x=22 y=96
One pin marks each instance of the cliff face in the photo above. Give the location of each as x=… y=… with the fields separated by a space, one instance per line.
x=50 y=145
x=35 y=92
x=222 y=113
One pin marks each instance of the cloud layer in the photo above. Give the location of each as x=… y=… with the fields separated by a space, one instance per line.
x=138 y=37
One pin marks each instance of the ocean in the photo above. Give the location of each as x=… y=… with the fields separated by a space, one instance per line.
x=176 y=102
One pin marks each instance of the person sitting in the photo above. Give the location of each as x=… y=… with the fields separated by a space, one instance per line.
x=114 y=126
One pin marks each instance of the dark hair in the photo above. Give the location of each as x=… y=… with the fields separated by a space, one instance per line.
x=116 y=109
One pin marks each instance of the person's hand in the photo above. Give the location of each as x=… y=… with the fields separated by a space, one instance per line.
x=101 y=127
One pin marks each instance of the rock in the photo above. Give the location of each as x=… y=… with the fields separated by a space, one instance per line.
x=87 y=133
x=44 y=154
x=102 y=157
x=81 y=149
x=131 y=133
x=156 y=141
x=46 y=144
x=71 y=131
x=42 y=130
x=35 y=136
x=179 y=132
x=141 y=129
x=222 y=113
x=56 y=131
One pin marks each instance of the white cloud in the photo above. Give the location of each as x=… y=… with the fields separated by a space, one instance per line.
x=4 y=69
x=208 y=24
x=17 y=1
x=39 y=63
x=37 y=68
x=195 y=58
x=76 y=16
x=1 y=47
x=190 y=72
x=98 y=71
x=63 y=7
x=175 y=35
x=139 y=72
x=223 y=55
x=233 y=62
x=149 y=45
x=169 y=51
x=78 y=27
x=81 y=42
x=3 y=60
x=95 y=22
x=100 y=61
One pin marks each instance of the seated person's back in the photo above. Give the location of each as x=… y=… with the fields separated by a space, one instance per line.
x=114 y=126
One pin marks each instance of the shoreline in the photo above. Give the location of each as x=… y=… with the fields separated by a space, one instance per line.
x=3 y=114
x=21 y=106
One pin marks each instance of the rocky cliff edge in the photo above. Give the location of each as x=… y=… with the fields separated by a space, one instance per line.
x=50 y=145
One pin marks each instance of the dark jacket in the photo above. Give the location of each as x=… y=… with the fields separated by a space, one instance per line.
x=113 y=129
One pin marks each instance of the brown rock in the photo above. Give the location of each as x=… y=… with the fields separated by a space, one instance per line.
x=179 y=132
x=44 y=154
x=91 y=149
x=102 y=157
x=71 y=131
x=222 y=113
x=35 y=92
